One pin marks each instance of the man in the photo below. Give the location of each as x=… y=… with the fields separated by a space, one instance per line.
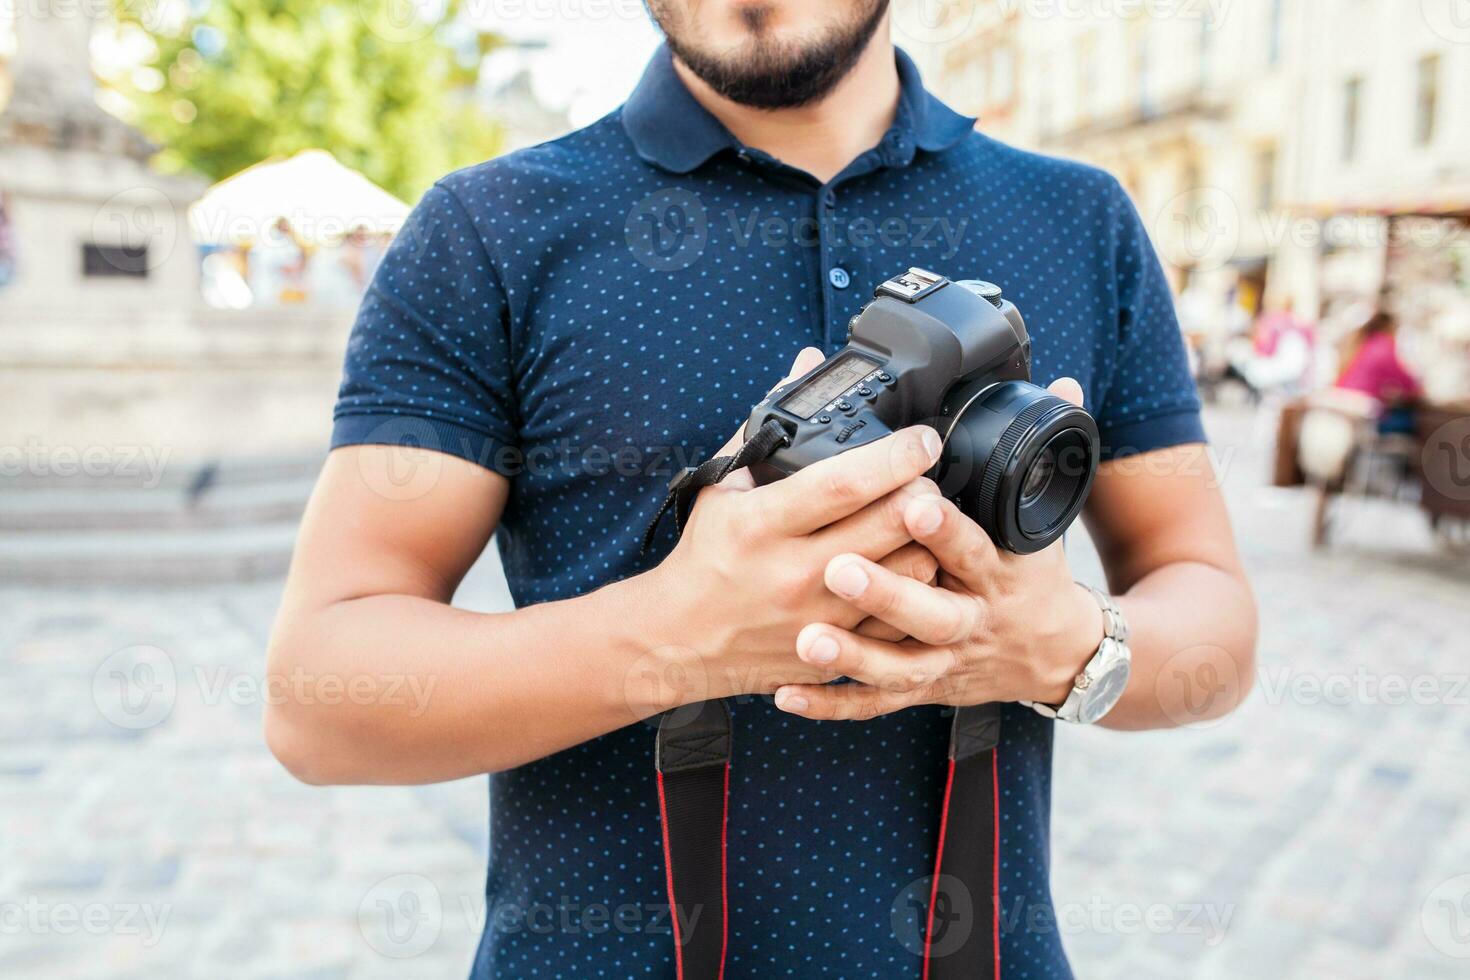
x=559 y=329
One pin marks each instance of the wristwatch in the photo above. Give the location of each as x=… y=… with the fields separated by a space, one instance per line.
x=1102 y=681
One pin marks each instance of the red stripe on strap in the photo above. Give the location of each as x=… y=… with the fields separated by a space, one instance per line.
x=725 y=876
x=938 y=860
x=663 y=812
x=995 y=857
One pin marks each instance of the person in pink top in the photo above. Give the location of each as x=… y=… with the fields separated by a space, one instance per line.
x=1372 y=366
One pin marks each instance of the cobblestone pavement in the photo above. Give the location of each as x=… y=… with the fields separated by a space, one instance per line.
x=1323 y=830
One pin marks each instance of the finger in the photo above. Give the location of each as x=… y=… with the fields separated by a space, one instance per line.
x=808 y=358
x=927 y=613
x=876 y=629
x=962 y=547
x=879 y=528
x=911 y=561
x=899 y=667
x=831 y=489
x=842 y=702
x=1067 y=388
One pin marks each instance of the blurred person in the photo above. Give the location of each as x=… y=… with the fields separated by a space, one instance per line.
x=1280 y=353
x=221 y=282
x=9 y=250
x=277 y=265
x=584 y=293
x=1370 y=364
x=339 y=273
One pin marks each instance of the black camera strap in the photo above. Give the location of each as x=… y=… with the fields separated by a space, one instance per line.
x=961 y=933
x=692 y=758
x=685 y=486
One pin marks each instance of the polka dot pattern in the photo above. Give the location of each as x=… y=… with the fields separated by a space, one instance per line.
x=546 y=315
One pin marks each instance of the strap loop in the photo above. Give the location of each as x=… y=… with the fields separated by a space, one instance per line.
x=686 y=484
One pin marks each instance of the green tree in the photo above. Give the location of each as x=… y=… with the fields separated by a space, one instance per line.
x=382 y=89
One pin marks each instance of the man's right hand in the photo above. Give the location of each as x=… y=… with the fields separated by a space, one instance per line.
x=747 y=574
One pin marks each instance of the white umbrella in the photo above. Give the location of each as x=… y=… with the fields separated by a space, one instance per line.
x=322 y=199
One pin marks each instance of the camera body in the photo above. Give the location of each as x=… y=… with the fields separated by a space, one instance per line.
x=955 y=356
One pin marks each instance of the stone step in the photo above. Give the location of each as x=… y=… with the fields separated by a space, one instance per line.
x=234 y=503
x=146 y=556
x=161 y=472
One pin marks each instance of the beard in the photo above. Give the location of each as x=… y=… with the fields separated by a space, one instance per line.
x=767 y=72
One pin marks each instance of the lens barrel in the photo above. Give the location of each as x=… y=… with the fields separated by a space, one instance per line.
x=1018 y=460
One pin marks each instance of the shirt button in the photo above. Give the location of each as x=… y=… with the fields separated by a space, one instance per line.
x=839 y=278
x=829 y=199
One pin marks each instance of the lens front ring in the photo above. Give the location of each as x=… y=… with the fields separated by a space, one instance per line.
x=1020 y=461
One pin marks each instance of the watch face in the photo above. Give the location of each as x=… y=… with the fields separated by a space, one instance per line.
x=1104 y=691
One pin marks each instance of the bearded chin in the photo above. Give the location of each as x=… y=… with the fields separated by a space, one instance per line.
x=766 y=73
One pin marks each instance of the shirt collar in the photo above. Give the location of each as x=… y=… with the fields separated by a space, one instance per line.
x=670 y=129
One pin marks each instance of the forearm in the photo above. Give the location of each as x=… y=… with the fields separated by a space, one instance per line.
x=422 y=692
x=1193 y=636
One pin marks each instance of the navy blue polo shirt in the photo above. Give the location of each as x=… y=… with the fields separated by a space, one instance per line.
x=588 y=315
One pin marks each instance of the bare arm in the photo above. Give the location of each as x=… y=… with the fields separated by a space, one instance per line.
x=421 y=691
x=1160 y=526
x=443 y=692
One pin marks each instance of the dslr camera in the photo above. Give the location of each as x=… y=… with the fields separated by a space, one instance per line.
x=954 y=355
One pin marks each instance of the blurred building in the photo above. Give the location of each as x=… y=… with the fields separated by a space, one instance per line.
x=98 y=255
x=1276 y=148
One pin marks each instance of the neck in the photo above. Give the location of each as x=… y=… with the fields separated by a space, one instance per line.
x=824 y=137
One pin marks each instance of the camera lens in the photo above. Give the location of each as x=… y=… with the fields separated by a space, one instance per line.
x=1019 y=460
x=1038 y=477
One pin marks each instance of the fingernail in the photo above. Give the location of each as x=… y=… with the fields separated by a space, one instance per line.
x=850 y=580
x=933 y=445
x=822 y=650
x=925 y=516
x=791 y=702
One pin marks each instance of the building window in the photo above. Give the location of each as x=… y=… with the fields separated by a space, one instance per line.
x=1427 y=100
x=114 y=261
x=1352 y=107
x=1273 y=41
x=1266 y=178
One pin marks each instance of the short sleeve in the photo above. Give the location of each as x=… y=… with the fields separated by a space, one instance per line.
x=1150 y=401
x=429 y=360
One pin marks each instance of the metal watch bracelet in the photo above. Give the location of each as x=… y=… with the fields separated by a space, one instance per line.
x=1089 y=700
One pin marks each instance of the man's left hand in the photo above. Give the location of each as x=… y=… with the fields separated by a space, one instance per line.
x=997 y=626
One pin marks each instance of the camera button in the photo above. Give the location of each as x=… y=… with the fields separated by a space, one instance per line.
x=886 y=378
x=844 y=406
x=824 y=419
x=865 y=391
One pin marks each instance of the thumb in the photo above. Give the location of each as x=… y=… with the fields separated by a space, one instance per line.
x=809 y=358
x=1068 y=389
